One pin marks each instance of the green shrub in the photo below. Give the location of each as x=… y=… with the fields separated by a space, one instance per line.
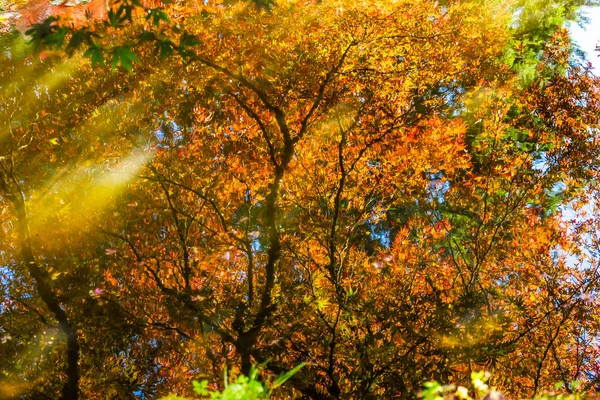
x=242 y=388
x=251 y=388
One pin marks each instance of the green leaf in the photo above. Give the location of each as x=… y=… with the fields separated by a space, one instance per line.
x=95 y=55
x=39 y=33
x=124 y=57
x=145 y=37
x=201 y=387
x=188 y=40
x=127 y=10
x=264 y=4
x=116 y=17
x=559 y=385
x=157 y=15
x=79 y=37
x=185 y=42
x=281 y=379
x=57 y=38
x=165 y=48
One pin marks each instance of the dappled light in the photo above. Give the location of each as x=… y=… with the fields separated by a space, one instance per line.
x=80 y=194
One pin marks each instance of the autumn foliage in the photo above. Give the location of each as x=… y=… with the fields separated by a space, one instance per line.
x=379 y=189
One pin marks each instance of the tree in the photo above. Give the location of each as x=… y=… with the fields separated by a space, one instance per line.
x=370 y=188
